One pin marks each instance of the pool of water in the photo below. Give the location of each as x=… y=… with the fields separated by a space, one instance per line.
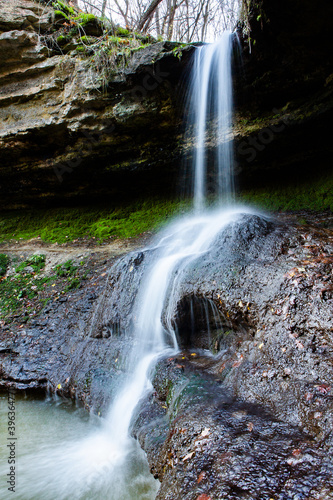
x=61 y=452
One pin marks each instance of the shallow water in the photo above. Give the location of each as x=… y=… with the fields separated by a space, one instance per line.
x=63 y=453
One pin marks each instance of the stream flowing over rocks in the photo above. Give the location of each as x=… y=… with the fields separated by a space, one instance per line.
x=242 y=412
x=243 y=409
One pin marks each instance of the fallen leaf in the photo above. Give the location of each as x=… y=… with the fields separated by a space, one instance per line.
x=201 y=477
x=299 y=344
x=203 y=496
x=188 y=456
x=205 y=432
x=59 y=386
x=250 y=426
x=323 y=388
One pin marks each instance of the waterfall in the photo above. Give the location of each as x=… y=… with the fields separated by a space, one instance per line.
x=102 y=456
x=210 y=112
x=187 y=239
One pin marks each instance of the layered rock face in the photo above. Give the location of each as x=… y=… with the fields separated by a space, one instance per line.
x=66 y=132
x=284 y=93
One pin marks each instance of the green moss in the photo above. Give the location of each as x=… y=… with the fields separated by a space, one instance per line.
x=4 y=261
x=308 y=195
x=87 y=40
x=123 y=32
x=63 y=7
x=85 y=18
x=67 y=224
x=59 y=14
x=136 y=49
x=80 y=48
x=63 y=40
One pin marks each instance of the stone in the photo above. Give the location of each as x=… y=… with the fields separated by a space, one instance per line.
x=60 y=118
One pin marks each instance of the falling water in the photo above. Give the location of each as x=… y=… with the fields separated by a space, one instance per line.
x=184 y=241
x=210 y=114
x=104 y=456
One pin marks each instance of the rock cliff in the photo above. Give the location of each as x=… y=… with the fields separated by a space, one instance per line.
x=70 y=131
x=284 y=92
x=77 y=126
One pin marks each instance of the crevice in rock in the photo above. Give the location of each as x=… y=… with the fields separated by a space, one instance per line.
x=201 y=324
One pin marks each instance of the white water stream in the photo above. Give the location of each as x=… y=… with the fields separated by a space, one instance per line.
x=210 y=108
x=96 y=466
x=185 y=240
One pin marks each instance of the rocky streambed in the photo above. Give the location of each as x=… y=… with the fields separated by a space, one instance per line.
x=244 y=410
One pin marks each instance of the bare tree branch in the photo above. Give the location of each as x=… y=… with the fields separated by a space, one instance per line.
x=146 y=15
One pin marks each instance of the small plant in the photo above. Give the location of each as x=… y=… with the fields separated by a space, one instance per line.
x=4 y=261
x=178 y=52
x=17 y=292
x=73 y=284
x=66 y=269
x=37 y=262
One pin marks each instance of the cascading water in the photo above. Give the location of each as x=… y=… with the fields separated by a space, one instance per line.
x=210 y=111
x=186 y=240
x=92 y=467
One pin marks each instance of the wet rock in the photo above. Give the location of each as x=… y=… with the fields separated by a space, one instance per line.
x=287 y=439
x=254 y=419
